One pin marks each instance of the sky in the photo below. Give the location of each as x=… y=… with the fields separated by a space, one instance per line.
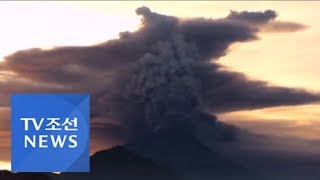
x=287 y=59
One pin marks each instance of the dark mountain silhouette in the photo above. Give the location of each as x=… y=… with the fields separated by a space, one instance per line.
x=274 y=157
x=173 y=152
x=189 y=158
x=7 y=175
x=205 y=150
x=120 y=164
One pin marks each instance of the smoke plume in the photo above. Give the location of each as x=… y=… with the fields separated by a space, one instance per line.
x=161 y=75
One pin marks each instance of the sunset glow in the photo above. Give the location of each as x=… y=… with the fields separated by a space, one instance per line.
x=47 y=24
x=281 y=59
x=5 y=165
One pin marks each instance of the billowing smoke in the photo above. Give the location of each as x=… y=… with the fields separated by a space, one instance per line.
x=175 y=81
x=160 y=87
x=162 y=75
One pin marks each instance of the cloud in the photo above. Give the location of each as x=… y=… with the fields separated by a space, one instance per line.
x=229 y=91
x=253 y=17
x=306 y=130
x=265 y=21
x=106 y=134
x=164 y=72
x=4 y=116
x=284 y=26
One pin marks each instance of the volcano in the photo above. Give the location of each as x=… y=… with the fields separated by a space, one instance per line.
x=168 y=154
x=177 y=154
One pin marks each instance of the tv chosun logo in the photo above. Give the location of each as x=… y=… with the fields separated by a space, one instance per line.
x=50 y=133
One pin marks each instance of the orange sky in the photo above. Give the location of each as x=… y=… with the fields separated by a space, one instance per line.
x=286 y=59
x=48 y=24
